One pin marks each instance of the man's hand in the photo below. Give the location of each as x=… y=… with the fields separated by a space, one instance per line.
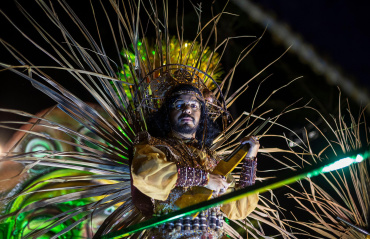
x=254 y=143
x=217 y=183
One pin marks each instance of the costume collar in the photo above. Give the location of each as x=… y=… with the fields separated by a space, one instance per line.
x=176 y=135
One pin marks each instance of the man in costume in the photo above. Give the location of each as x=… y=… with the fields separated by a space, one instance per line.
x=175 y=156
x=167 y=160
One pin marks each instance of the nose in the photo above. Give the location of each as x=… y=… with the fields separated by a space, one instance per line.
x=186 y=109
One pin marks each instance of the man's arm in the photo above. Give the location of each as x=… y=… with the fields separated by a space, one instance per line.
x=155 y=176
x=151 y=173
x=241 y=208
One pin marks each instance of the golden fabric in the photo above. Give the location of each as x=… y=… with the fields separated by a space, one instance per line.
x=241 y=208
x=151 y=173
x=154 y=173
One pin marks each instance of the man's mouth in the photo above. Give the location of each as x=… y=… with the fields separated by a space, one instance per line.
x=186 y=119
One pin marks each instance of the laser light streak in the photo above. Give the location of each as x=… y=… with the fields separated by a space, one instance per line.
x=342 y=163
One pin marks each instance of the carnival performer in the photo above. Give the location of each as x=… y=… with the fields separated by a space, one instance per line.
x=175 y=155
x=150 y=141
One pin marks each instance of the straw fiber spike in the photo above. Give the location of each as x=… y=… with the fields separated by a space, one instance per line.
x=341 y=209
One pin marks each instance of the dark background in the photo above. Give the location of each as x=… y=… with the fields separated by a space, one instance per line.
x=336 y=30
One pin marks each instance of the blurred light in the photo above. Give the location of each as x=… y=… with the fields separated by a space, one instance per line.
x=109 y=210
x=359 y=158
x=312 y=134
x=341 y=163
x=38 y=145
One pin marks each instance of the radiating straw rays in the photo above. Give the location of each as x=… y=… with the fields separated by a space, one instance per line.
x=346 y=196
x=85 y=59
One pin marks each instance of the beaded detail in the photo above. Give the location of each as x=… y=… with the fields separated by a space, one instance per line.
x=248 y=173
x=208 y=224
x=188 y=176
x=185 y=154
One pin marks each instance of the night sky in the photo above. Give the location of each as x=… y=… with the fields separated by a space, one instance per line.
x=339 y=30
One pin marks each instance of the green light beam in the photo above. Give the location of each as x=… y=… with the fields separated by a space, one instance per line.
x=322 y=167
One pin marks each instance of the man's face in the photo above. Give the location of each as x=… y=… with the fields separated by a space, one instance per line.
x=185 y=114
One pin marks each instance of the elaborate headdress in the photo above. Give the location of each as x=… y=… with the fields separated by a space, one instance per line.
x=159 y=82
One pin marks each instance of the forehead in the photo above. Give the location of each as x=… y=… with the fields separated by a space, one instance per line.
x=187 y=97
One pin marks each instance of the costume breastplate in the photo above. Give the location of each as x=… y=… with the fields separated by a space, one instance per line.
x=208 y=224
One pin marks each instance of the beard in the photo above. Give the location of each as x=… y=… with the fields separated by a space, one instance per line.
x=184 y=128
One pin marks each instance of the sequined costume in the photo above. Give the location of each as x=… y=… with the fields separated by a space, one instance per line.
x=155 y=172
